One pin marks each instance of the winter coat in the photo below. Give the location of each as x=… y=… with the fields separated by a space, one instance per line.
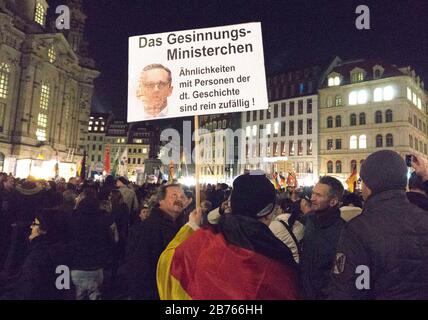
x=418 y=199
x=322 y=231
x=36 y=280
x=147 y=239
x=91 y=239
x=130 y=198
x=348 y=213
x=387 y=248
x=280 y=231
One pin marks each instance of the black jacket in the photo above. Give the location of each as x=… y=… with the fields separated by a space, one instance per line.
x=91 y=239
x=390 y=237
x=147 y=240
x=418 y=199
x=322 y=231
x=36 y=279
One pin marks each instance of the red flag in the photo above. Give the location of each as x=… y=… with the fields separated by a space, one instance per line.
x=352 y=180
x=291 y=180
x=215 y=276
x=107 y=159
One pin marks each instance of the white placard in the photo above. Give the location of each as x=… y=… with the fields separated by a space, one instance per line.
x=196 y=72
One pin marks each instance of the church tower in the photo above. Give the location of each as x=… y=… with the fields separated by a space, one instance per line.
x=77 y=26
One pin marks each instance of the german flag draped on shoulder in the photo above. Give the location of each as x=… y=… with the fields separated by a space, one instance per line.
x=239 y=259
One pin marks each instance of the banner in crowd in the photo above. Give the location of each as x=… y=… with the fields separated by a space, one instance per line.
x=196 y=72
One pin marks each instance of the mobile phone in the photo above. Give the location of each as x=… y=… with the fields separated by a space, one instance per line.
x=409 y=159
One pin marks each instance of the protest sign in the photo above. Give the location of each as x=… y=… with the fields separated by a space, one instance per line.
x=196 y=72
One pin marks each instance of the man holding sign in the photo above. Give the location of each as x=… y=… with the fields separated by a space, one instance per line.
x=154 y=89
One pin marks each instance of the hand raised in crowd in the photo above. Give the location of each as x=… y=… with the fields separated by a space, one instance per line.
x=419 y=165
x=195 y=218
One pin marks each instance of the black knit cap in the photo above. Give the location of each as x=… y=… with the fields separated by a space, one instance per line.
x=123 y=180
x=384 y=170
x=253 y=195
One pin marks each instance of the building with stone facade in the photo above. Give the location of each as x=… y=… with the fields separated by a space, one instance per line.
x=138 y=149
x=130 y=144
x=46 y=86
x=96 y=141
x=366 y=106
x=289 y=126
x=219 y=147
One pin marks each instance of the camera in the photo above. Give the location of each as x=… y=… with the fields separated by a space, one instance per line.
x=409 y=159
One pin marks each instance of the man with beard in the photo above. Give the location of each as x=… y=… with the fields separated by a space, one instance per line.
x=149 y=238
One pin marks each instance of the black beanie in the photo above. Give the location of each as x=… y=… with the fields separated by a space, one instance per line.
x=251 y=194
x=384 y=170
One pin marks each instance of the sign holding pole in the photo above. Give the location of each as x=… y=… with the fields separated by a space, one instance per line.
x=197 y=164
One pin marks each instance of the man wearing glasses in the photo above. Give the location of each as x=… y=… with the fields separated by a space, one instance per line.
x=154 y=89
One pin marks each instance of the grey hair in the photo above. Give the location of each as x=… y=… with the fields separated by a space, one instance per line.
x=158 y=66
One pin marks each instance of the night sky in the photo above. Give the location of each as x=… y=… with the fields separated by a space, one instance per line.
x=295 y=33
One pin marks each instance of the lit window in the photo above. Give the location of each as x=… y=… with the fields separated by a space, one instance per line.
x=353 y=98
x=333 y=81
x=89 y=128
x=102 y=128
x=409 y=94
x=268 y=128
x=42 y=118
x=276 y=127
x=90 y=123
x=377 y=95
x=254 y=130
x=4 y=80
x=39 y=15
x=336 y=81
x=363 y=142
x=118 y=140
x=388 y=93
x=357 y=76
x=353 y=142
x=95 y=128
x=415 y=102
x=362 y=97
x=419 y=103
x=96 y=122
x=248 y=131
x=123 y=140
x=91 y=118
x=144 y=150
x=44 y=97
x=51 y=54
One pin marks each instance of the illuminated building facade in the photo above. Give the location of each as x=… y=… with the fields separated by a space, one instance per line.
x=46 y=85
x=219 y=154
x=366 y=106
x=289 y=126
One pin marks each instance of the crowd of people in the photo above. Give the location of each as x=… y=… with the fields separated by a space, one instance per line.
x=248 y=241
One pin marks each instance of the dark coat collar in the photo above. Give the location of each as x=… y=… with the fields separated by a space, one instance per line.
x=327 y=217
x=385 y=196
